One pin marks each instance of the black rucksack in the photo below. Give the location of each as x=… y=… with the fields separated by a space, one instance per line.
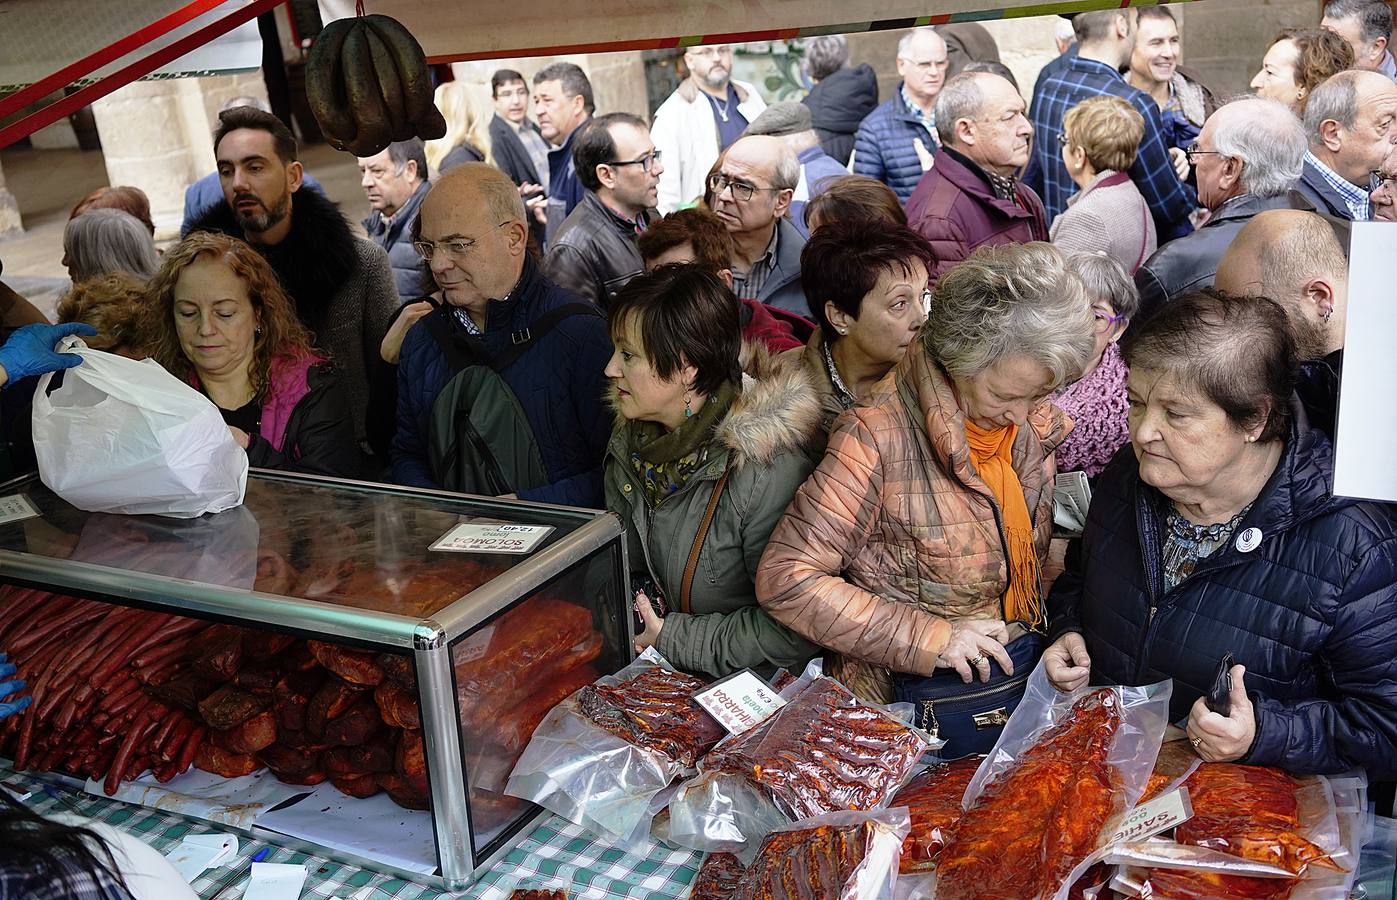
x=479 y=440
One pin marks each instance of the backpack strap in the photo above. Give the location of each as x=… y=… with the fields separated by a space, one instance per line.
x=463 y=350
x=521 y=341
x=691 y=567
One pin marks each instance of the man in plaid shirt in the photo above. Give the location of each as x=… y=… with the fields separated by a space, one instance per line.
x=1106 y=40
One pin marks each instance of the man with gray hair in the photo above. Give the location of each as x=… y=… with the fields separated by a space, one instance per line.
x=897 y=141
x=395 y=180
x=790 y=121
x=751 y=195
x=1367 y=26
x=972 y=196
x=1349 y=120
x=1247 y=157
x=1294 y=258
x=201 y=197
x=841 y=98
x=702 y=118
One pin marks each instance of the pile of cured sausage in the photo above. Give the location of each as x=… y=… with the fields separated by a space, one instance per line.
x=120 y=691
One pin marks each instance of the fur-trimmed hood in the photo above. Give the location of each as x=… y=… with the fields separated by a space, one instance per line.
x=314 y=261
x=777 y=411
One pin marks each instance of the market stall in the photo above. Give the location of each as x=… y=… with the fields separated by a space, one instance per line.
x=381 y=654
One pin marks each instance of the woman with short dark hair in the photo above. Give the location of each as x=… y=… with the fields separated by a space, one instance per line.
x=702 y=463
x=1218 y=533
x=867 y=287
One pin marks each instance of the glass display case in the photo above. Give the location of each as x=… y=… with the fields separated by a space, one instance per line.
x=464 y=619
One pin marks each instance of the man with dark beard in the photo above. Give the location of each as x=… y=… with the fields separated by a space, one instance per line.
x=342 y=284
x=1294 y=258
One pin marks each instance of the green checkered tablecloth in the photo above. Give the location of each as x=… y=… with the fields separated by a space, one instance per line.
x=555 y=855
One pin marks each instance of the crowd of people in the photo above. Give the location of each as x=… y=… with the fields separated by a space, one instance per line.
x=826 y=359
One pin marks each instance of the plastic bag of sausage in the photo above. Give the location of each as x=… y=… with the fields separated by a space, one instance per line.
x=822 y=752
x=848 y=855
x=1257 y=833
x=600 y=757
x=1066 y=770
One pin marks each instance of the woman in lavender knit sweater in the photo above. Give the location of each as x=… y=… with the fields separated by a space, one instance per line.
x=1096 y=402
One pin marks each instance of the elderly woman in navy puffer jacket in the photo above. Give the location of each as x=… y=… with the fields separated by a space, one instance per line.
x=1217 y=531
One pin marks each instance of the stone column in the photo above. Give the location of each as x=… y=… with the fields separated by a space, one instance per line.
x=10 y=224
x=156 y=136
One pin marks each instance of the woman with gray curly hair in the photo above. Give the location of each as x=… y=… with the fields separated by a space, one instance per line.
x=914 y=550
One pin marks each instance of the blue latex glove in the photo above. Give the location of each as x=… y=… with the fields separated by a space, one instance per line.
x=10 y=688
x=29 y=351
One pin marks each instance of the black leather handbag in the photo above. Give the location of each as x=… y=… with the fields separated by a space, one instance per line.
x=969 y=717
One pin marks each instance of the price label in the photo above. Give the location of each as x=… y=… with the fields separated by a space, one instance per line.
x=474 y=647
x=473 y=537
x=1155 y=817
x=740 y=701
x=15 y=508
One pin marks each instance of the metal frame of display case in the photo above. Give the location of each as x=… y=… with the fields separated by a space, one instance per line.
x=428 y=639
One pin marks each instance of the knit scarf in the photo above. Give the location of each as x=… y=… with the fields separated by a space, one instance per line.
x=991 y=452
x=664 y=461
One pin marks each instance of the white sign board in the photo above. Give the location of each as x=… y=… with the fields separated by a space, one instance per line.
x=1367 y=429
x=740 y=701
x=471 y=537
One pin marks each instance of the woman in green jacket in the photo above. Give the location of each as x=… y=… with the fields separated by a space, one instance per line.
x=702 y=463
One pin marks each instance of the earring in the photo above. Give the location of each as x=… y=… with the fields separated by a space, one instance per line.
x=842 y=330
x=257 y=331
x=688 y=407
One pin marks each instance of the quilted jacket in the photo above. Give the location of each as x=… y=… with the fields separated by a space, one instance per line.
x=895 y=532
x=956 y=210
x=883 y=146
x=763 y=437
x=1311 y=611
x=558 y=382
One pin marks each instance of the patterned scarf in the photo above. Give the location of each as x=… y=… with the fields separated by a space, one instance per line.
x=991 y=451
x=664 y=461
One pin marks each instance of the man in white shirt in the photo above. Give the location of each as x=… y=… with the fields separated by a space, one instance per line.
x=701 y=119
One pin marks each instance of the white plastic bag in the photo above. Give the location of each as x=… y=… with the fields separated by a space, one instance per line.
x=123 y=436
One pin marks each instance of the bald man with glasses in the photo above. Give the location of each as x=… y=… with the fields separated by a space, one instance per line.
x=752 y=192
x=498 y=324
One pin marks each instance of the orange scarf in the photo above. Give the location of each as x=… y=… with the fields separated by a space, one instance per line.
x=991 y=451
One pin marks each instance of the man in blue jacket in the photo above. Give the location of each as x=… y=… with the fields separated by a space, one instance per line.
x=493 y=296
x=896 y=142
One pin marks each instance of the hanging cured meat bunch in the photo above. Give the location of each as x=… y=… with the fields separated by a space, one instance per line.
x=1036 y=821
x=368 y=85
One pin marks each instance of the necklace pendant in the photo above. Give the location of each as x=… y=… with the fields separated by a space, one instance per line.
x=723 y=113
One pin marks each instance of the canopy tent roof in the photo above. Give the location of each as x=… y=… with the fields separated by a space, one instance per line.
x=47 y=45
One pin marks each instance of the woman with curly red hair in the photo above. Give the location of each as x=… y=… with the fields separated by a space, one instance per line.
x=219 y=319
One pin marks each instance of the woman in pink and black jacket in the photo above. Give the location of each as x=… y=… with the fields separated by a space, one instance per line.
x=219 y=318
